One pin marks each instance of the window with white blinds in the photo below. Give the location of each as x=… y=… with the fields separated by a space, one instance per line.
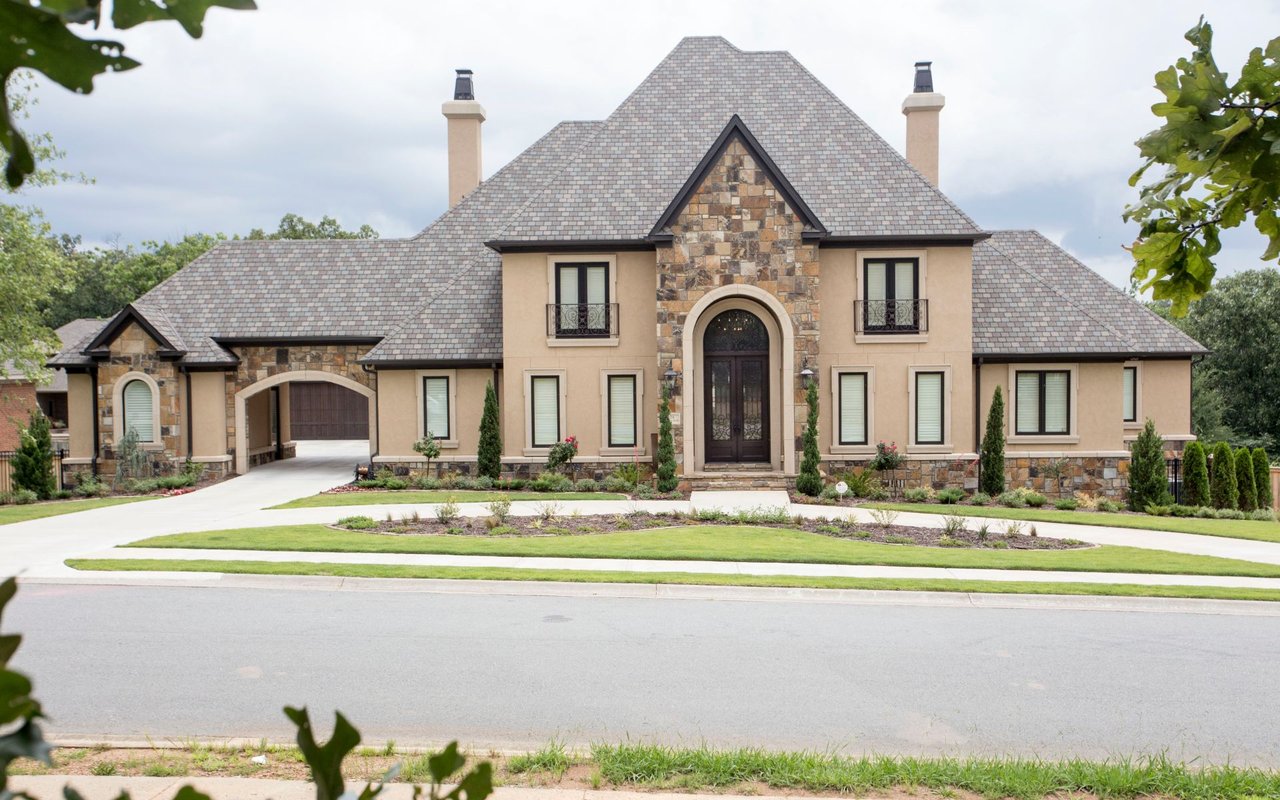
x=139 y=401
x=1130 y=394
x=544 y=408
x=891 y=292
x=435 y=399
x=1043 y=402
x=622 y=410
x=929 y=407
x=853 y=408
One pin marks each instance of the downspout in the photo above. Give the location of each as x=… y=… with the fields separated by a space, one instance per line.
x=496 y=370
x=93 y=377
x=187 y=374
x=977 y=415
x=377 y=431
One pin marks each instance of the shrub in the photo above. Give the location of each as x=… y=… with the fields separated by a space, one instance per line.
x=645 y=492
x=369 y=483
x=562 y=454
x=500 y=509
x=1195 y=475
x=22 y=497
x=1035 y=499
x=1011 y=500
x=1066 y=504
x=489 y=450
x=447 y=512
x=586 y=485
x=502 y=530
x=1205 y=512
x=90 y=486
x=1182 y=510
x=886 y=457
x=946 y=540
x=667 y=481
x=1229 y=513
x=917 y=494
x=1148 y=478
x=394 y=484
x=1222 y=479
x=1086 y=501
x=422 y=482
x=991 y=461
x=1263 y=515
x=484 y=482
x=952 y=525
x=613 y=483
x=547 y=511
x=1108 y=506
x=1262 y=478
x=62 y=494
x=884 y=517
x=809 y=481
x=1247 y=493
x=357 y=523
x=628 y=473
x=980 y=499
x=32 y=465
x=862 y=483
x=428 y=447
x=950 y=496
x=551 y=482
x=1157 y=510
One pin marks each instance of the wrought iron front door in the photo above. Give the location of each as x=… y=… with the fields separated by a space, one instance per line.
x=737 y=408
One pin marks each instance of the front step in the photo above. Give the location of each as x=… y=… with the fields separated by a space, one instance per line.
x=738 y=480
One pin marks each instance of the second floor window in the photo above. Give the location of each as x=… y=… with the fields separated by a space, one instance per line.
x=582 y=299
x=891 y=296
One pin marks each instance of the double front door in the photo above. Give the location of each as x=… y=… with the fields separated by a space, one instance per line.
x=737 y=407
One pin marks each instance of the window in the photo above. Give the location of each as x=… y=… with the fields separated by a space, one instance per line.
x=622 y=410
x=582 y=299
x=1043 y=402
x=929 y=407
x=138 y=402
x=1130 y=394
x=852 y=403
x=544 y=409
x=435 y=400
x=891 y=295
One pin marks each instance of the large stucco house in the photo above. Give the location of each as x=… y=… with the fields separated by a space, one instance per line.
x=732 y=230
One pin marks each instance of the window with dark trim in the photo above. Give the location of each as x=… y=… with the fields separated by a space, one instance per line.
x=622 y=410
x=582 y=299
x=1130 y=394
x=930 y=407
x=1043 y=403
x=435 y=407
x=890 y=295
x=544 y=410
x=851 y=403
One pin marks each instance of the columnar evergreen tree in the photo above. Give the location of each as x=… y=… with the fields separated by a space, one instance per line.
x=1247 y=493
x=809 y=481
x=33 y=463
x=1148 y=479
x=1195 y=475
x=667 y=481
x=992 y=460
x=1262 y=477
x=489 y=451
x=1222 y=479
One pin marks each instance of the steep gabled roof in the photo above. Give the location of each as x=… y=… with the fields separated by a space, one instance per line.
x=148 y=316
x=1032 y=298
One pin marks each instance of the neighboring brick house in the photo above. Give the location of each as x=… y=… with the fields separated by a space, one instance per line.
x=732 y=231
x=19 y=395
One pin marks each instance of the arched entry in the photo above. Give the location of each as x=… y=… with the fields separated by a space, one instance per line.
x=735 y=353
x=242 y=398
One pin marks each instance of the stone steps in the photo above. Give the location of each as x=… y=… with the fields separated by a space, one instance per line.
x=739 y=481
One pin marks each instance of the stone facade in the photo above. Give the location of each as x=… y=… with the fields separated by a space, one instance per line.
x=133 y=350
x=596 y=470
x=1053 y=477
x=736 y=229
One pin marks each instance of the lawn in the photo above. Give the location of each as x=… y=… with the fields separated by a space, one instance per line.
x=402 y=496
x=683 y=578
x=714 y=543
x=11 y=514
x=1232 y=528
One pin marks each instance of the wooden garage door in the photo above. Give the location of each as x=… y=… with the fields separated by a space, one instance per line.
x=322 y=410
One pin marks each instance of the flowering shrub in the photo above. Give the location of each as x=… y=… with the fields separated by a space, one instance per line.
x=887 y=457
x=562 y=454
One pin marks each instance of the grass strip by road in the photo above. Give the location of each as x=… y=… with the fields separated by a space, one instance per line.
x=1231 y=528
x=405 y=496
x=54 y=508
x=714 y=543
x=295 y=568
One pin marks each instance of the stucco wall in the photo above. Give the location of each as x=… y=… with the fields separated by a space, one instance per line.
x=400 y=412
x=1165 y=396
x=80 y=414
x=258 y=417
x=208 y=409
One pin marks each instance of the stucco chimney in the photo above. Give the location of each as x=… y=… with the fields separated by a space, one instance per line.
x=465 y=116
x=922 y=107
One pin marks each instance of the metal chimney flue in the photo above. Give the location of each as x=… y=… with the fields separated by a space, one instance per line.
x=463 y=88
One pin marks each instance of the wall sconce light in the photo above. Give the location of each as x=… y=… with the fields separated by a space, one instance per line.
x=806 y=375
x=670 y=377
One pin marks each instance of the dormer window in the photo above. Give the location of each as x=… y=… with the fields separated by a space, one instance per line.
x=891 y=296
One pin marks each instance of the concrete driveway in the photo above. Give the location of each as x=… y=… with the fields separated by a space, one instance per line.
x=43 y=543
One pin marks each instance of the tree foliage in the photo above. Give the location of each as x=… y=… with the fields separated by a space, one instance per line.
x=1262 y=478
x=991 y=464
x=31 y=266
x=294 y=226
x=667 y=481
x=1148 y=479
x=33 y=463
x=809 y=481
x=1195 y=475
x=489 y=450
x=1219 y=147
x=1222 y=477
x=1246 y=491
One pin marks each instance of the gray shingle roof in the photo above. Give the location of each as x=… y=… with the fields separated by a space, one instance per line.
x=69 y=335
x=1031 y=297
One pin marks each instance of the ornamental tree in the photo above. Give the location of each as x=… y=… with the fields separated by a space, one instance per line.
x=1246 y=491
x=1222 y=478
x=489 y=450
x=428 y=447
x=809 y=481
x=1195 y=475
x=1148 y=478
x=991 y=463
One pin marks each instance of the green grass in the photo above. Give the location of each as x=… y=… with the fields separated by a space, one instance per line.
x=12 y=514
x=1232 y=528
x=553 y=759
x=378 y=498
x=682 y=578
x=714 y=543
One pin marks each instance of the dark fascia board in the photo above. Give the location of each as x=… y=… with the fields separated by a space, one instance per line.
x=909 y=240
x=568 y=245
x=272 y=341
x=737 y=128
x=461 y=363
x=129 y=314
x=209 y=366
x=1028 y=358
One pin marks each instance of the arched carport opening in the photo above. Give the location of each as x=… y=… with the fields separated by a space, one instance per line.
x=263 y=412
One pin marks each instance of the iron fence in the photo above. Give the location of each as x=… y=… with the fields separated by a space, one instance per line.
x=6 y=469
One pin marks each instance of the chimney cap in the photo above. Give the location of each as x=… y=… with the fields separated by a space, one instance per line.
x=924 y=76
x=463 y=88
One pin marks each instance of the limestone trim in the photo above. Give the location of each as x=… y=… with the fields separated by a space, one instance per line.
x=242 y=397
x=781 y=360
x=1073 y=402
x=859 y=286
x=611 y=281
x=638 y=449
x=526 y=384
x=1138 y=420
x=837 y=448
x=947 y=404
x=451 y=442
x=118 y=415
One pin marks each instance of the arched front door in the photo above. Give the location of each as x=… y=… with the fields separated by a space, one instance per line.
x=735 y=351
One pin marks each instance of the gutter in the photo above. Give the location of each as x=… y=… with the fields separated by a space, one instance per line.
x=187 y=375
x=377 y=431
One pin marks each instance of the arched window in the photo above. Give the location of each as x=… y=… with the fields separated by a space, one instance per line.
x=736 y=330
x=139 y=417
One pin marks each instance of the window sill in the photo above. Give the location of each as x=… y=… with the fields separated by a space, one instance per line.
x=603 y=341
x=532 y=452
x=1133 y=426
x=945 y=447
x=853 y=449
x=1044 y=439
x=447 y=444
x=890 y=338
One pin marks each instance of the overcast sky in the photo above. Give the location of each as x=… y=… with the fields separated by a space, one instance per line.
x=333 y=106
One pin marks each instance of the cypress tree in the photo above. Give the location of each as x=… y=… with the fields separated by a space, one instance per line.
x=489 y=451
x=1247 y=493
x=667 y=481
x=809 y=481
x=33 y=463
x=1195 y=475
x=1148 y=479
x=1262 y=478
x=992 y=458
x=1222 y=478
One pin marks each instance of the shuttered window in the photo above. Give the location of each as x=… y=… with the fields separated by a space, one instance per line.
x=139 y=401
x=929 y=407
x=435 y=399
x=622 y=410
x=1130 y=394
x=1043 y=402
x=853 y=408
x=544 y=401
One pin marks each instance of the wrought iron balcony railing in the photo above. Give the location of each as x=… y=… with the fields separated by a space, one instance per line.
x=582 y=320
x=891 y=316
